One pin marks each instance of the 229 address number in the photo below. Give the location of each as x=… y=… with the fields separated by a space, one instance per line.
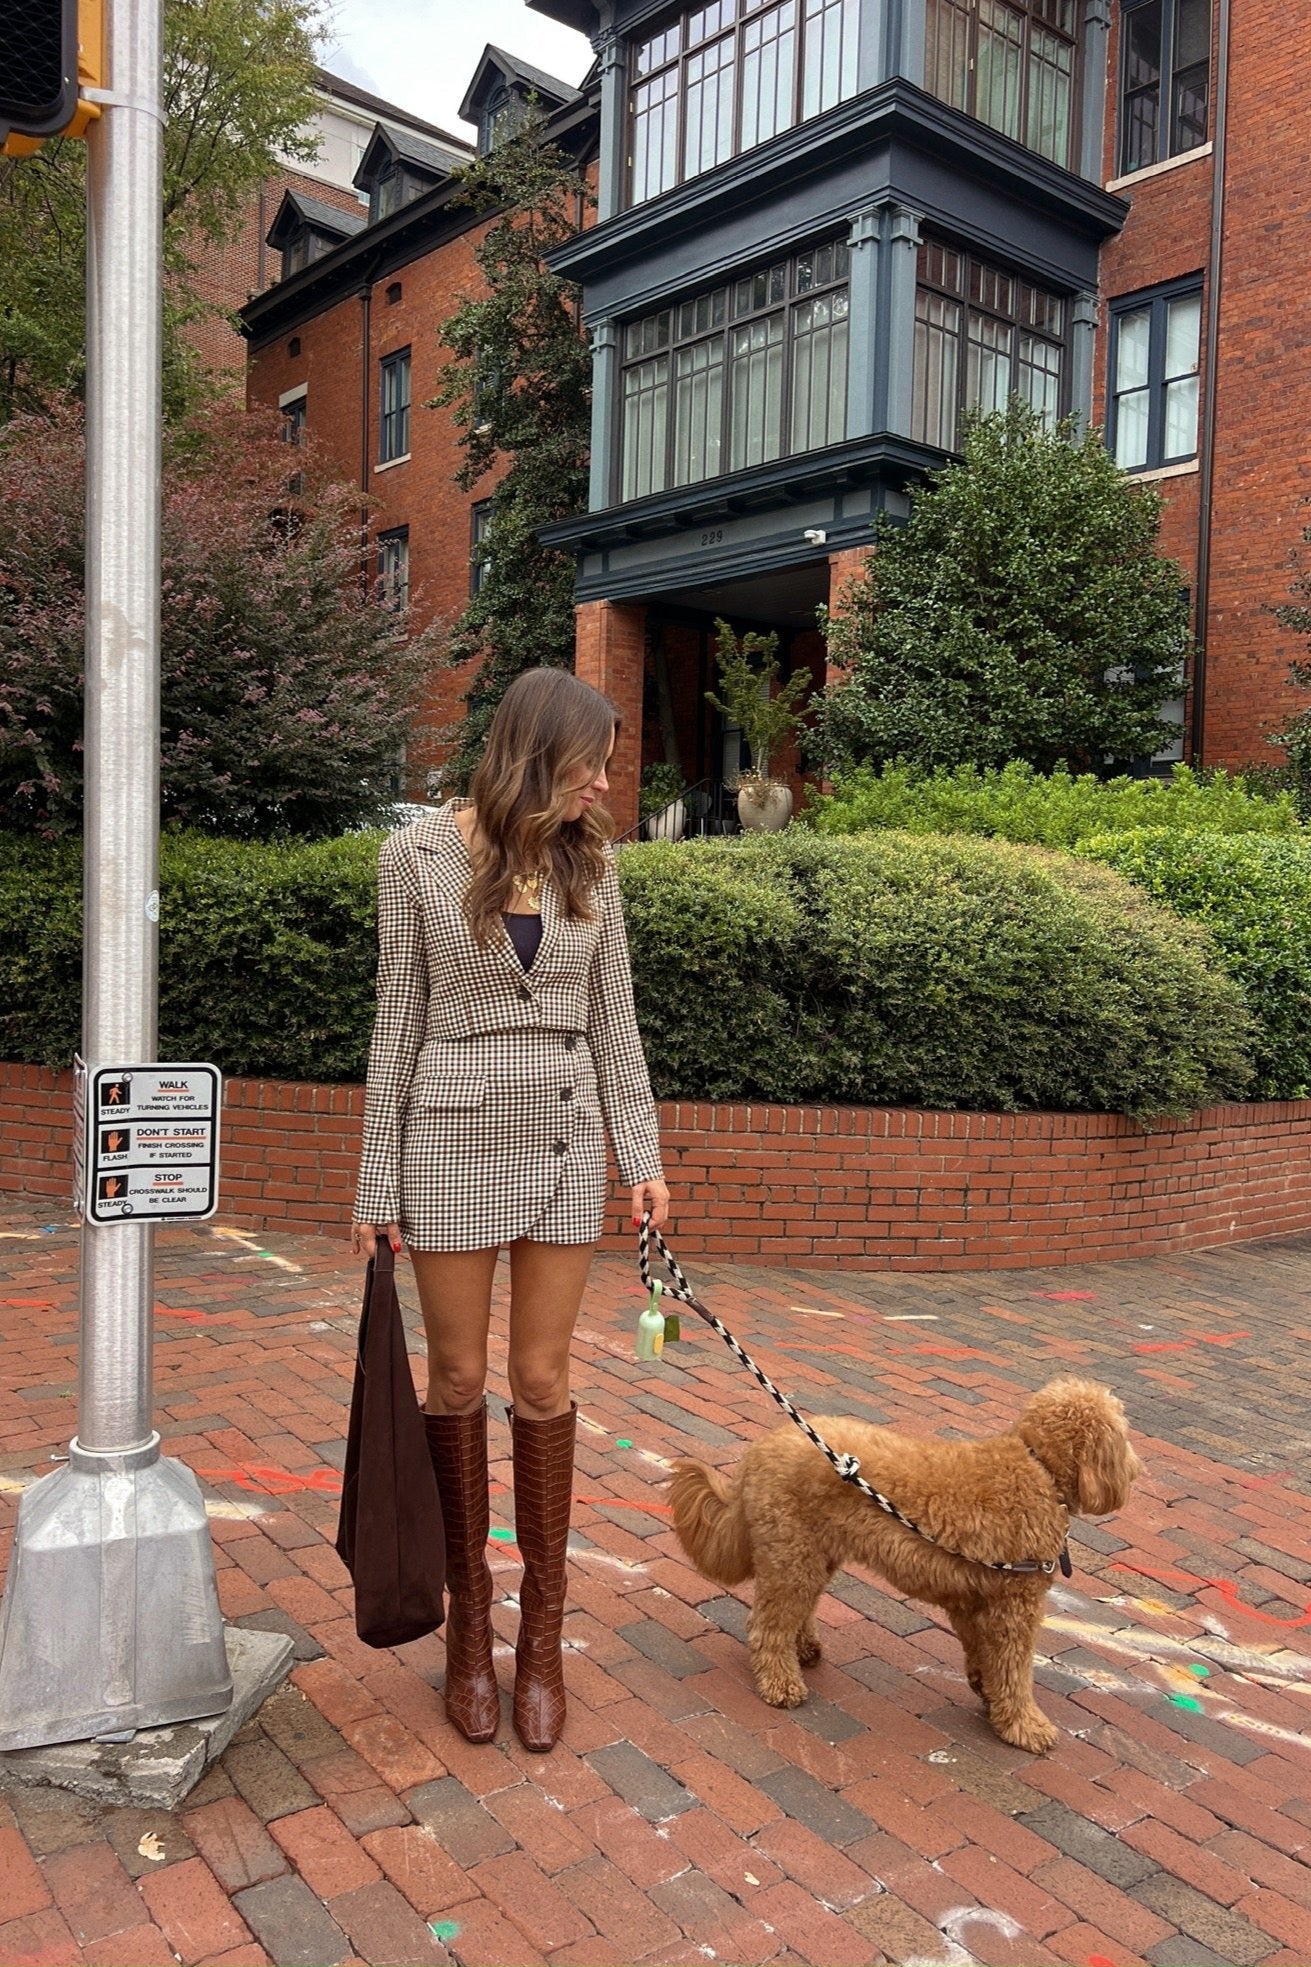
x=713 y=537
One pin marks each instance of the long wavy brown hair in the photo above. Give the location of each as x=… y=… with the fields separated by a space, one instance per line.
x=549 y=738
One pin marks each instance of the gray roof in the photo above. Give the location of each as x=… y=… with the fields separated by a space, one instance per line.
x=410 y=150
x=535 y=80
x=318 y=213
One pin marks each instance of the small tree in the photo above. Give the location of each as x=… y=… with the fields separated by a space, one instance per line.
x=766 y=711
x=287 y=686
x=238 y=90
x=519 y=384
x=1295 y=737
x=1023 y=612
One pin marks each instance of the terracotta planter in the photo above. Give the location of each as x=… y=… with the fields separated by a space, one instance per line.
x=764 y=807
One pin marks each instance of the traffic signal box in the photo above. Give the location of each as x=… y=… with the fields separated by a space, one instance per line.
x=50 y=50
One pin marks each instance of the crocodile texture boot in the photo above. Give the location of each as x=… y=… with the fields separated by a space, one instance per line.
x=543 y=1490
x=458 y=1446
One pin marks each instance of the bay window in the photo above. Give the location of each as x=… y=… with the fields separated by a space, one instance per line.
x=737 y=376
x=1011 y=63
x=724 y=77
x=982 y=335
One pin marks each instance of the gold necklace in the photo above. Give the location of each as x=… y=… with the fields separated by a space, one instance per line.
x=529 y=886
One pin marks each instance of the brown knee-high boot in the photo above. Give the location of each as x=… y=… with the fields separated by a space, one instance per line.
x=543 y=1490
x=458 y=1446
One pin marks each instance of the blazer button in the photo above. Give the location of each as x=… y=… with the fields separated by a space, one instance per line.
x=571 y=1042
x=559 y=1147
x=566 y=1092
x=525 y=994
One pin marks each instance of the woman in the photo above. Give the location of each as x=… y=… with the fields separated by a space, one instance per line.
x=504 y=1048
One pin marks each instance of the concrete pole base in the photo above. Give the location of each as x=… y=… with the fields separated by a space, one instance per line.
x=111 y=1619
x=158 y=1767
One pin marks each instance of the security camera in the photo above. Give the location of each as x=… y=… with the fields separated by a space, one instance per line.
x=814 y=536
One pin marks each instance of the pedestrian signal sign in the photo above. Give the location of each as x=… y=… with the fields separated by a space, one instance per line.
x=149 y=1137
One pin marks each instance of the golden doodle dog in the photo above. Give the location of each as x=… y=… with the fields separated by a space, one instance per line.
x=787 y=1519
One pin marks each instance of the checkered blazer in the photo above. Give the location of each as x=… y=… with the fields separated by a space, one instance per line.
x=471 y=1135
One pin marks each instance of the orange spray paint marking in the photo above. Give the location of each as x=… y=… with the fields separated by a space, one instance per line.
x=1226 y=1587
x=276 y=1481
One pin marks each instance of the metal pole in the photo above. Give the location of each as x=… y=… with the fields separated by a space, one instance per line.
x=111 y=1620
x=121 y=945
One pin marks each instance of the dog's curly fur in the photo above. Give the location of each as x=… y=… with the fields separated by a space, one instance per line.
x=786 y=1519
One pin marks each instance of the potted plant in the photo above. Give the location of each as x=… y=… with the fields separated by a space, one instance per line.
x=660 y=803
x=766 y=711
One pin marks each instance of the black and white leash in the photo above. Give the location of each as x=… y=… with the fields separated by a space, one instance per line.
x=846 y=1466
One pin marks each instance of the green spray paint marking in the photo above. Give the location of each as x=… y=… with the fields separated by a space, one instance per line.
x=1202 y=1672
x=1186 y=1701
x=443 y=1929
x=502 y=1536
x=621 y=1443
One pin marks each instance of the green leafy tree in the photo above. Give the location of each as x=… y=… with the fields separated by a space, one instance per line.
x=519 y=385
x=287 y=686
x=238 y=87
x=1023 y=612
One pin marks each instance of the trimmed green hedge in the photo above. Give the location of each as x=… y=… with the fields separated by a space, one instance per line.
x=267 y=953
x=924 y=972
x=885 y=968
x=1046 y=810
x=1253 y=895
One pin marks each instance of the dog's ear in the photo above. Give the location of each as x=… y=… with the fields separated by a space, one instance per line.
x=1106 y=1468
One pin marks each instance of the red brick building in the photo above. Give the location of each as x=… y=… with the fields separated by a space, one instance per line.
x=1207 y=137
x=1076 y=199
x=347 y=343
x=246 y=265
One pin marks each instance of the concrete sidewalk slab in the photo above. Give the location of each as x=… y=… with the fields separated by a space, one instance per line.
x=680 y=1820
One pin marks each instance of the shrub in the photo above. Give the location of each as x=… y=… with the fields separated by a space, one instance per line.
x=1254 y=897
x=885 y=969
x=925 y=972
x=1049 y=810
x=267 y=953
x=1022 y=611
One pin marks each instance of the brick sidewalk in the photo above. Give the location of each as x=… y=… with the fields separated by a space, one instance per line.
x=681 y=1820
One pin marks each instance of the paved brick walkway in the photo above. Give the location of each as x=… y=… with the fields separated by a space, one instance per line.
x=682 y=1821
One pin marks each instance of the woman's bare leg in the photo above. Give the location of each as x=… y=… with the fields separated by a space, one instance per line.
x=546 y=1289
x=455 y=1294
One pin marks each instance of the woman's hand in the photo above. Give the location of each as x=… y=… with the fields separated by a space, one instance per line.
x=653 y=1196
x=364 y=1239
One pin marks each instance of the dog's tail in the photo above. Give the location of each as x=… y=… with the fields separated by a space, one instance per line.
x=710 y=1522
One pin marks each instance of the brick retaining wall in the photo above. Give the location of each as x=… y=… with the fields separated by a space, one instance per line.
x=875 y=1187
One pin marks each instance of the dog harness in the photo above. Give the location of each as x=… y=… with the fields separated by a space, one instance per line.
x=847 y=1467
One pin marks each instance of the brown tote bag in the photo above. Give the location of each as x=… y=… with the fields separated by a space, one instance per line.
x=390 y=1535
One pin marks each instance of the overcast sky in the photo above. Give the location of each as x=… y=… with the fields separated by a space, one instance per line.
x=421 y=54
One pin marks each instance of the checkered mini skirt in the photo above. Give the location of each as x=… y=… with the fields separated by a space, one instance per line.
x=502 y=1138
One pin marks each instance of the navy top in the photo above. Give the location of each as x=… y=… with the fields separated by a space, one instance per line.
x=525 y=932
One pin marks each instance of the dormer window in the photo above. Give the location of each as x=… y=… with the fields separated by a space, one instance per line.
x=502 y=117
x=397 y=168
x=306 y=228
x=502 y=91
x=385 y=194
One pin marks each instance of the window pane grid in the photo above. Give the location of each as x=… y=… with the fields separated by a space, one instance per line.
x=1154 y=393
x=1165 y=74
x=733 y=74
x=1010 y=63
x=1009 y=340
x=769 y=74
x=394 y=423
x=754 y=371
